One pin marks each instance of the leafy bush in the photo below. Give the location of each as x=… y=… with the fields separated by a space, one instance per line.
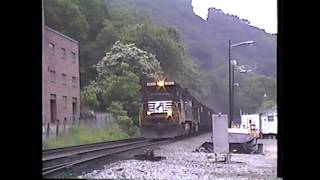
x=125 y=122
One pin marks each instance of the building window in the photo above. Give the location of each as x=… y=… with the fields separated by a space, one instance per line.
x=64 y=79
x=73 y=56
x=52 y=76
x=63 y=53
x=51 y=48
x=64 y=98
x=270 y=118
x=74 y=81
x=52 y=97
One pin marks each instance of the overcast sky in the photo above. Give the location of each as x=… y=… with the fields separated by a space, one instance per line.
x=260 y=13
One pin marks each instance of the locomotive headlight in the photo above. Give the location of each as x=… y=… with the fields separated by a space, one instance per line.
x=160 y=83
x=148 y=113
x=169 y=113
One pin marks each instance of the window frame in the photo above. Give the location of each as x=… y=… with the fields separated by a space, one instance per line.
x=65 y=102
x=52 y=48
x=74 y=81
x=73 y=56
x=64 y=81
x=52 y=76
x=63 y=53
x=270 y=118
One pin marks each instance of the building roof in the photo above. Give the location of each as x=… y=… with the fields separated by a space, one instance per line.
x=67 y=37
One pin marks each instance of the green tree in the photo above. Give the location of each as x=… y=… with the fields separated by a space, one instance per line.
x=123 y=120
x=127 y=57
x=164 y=43
x=266 y=104
x=89 y=98
x=95 y=13
x=217 y=85
x=124 y=89
x=98 y=24
x=252 y=93
x=88 y=101
x=119 y=76
x=123 y=16
x=93 y=51
x=65 y=16
x=116 y=108
x=156 y=40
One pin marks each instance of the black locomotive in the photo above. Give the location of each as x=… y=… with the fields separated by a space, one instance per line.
x=168 y=111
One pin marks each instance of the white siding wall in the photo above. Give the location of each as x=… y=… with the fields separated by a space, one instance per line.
x=269 y=127
x=245 y=121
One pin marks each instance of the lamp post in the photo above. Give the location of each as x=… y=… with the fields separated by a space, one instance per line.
x=231 y=77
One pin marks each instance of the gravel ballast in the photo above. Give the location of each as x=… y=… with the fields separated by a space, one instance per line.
x=182 y=163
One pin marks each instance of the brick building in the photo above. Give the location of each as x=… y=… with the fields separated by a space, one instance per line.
x=60 y=77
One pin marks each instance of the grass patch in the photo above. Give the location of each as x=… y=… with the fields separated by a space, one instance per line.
x=84 y=135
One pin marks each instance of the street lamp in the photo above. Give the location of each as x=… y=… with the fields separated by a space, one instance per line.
x=231 y=76
x=243 y=43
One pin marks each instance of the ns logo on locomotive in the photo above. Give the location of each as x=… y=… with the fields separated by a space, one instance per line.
x=169 y=110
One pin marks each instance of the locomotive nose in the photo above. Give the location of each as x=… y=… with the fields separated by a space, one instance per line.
x=160 y=131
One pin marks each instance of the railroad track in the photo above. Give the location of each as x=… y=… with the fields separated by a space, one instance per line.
x=56 y=161
x=66 y=151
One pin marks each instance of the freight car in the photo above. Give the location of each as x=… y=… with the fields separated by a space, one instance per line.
x=169 y=110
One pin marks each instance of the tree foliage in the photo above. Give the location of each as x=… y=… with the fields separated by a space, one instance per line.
x=164 y=43
x=207 y=44
x=162 y=38
x=256 y=93
x=90 y=23
x=116 y=108
x=66 y=17
x=89 y=98
x=158 y=41
x=267 y=104
x=117 y=84
x=127 y=57
x=95 y=13
x=124 y=89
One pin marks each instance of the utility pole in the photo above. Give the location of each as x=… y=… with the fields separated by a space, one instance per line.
x=231 y=78
x=230 y=87
x=42 y=61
